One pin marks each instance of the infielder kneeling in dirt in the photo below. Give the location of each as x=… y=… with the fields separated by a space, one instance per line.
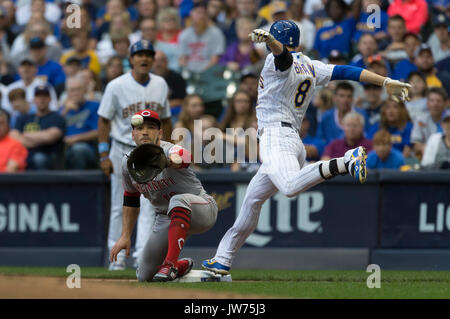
x=160 y=171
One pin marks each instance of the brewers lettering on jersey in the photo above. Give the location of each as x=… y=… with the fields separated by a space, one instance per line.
x=286 y=87
x=136 y=90
x=182 y=206
x=124 y=96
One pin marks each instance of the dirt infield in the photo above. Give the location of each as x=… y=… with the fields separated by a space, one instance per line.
x=55 y=288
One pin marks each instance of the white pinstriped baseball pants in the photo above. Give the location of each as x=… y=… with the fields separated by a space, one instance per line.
x=147 y=213
x=283 y=157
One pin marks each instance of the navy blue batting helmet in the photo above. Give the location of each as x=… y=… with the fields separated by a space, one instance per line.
x=141 y=45
x=286 y=32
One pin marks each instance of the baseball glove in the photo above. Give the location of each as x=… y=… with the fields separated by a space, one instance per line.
x=145 y=162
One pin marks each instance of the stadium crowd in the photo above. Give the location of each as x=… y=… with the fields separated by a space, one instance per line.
x=52 y=74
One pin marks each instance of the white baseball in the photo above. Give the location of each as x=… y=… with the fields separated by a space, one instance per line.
x=137 y=119
x=176 y=159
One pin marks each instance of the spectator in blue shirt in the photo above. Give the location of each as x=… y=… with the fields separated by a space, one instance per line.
x=115 y=8
x=404 y=67
x=81 y=120
x=364 y=27
x=330 y=127
x=393 y=46
x=51 y=71
x=321 y=103
x=384 y=156
x=339 y=34
x=367 y=47
x=395 y=119
x=314 y=146
x=372 y=103
x=377 y=64
x=41 y=133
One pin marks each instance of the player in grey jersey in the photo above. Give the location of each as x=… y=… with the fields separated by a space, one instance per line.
x=182 y=206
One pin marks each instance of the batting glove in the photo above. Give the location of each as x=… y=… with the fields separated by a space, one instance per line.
x=260 y=35
x=398 y=90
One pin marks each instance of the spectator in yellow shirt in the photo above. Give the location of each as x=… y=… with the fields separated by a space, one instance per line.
x=88 y=58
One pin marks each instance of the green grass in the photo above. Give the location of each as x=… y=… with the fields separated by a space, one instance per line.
x=290 y=283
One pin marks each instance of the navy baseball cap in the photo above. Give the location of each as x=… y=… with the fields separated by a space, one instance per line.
x=73 y=59
x=42 y=90
x=141 y=45
x=36 y=43
x=440 y=20
x=421 y=48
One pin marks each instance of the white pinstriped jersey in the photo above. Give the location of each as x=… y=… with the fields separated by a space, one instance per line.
x=285 y=96
x=124 y=96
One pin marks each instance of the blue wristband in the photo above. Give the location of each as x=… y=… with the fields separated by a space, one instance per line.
x=103 y=147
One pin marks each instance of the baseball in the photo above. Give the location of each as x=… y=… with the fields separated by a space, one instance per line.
x=137 y=120
x=176 y=159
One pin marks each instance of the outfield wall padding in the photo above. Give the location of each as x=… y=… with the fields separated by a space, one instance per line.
x=53 y=212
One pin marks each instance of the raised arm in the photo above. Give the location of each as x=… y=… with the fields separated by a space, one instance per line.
x=283 y=59
x=399 y=91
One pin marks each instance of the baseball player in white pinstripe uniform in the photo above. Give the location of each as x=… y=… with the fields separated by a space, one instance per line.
x=135 y=90
x=286 y=87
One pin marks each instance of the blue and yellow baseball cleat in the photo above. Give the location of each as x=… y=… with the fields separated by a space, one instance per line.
x=359 y=157
x=355 y=160
x=215 y=267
